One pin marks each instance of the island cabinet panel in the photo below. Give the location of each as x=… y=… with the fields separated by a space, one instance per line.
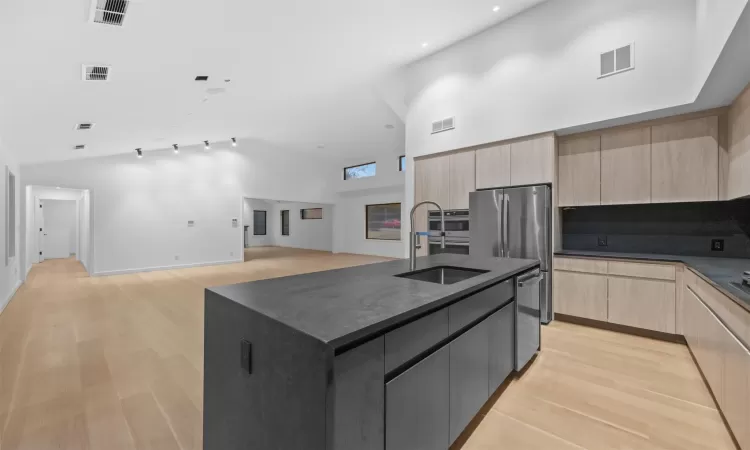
x=418 y=406
x=502 y=333
x=469 y=377
x=579 y=172
x=407 y=342
x=493 y=167
x=249 y=407
x=359 y=398
x=685 y=161
x=466 y=311
x=641 y=303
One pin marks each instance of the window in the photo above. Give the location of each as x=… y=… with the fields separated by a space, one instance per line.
x=10 y=216
x=360 y=171
x=383 y=221
x=312 y=213
x=259 y=222
x=402 y=163
x=285 y=222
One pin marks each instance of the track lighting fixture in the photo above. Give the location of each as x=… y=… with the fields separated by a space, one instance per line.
x=234 y=142
x=139 y=152
x=207 y=147
x=176 y=149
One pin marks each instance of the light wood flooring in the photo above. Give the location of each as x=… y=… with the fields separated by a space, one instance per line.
x=116 y=363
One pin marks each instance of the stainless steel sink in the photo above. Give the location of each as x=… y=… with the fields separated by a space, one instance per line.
x=443 y=274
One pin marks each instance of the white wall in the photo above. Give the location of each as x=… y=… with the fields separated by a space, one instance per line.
x=311 y=234
x=714 y=22
x=10 y=277
x=250 y=205
x=349 y=230
x=537 y=72
x=141 y=207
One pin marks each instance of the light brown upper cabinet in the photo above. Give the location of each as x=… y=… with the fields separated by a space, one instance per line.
x=626 y=166
x=685 y=161
x=532 y=161
x=431 y=181
x=579 y=171
x=738 y=181
x=462 y=179
x=493 y=167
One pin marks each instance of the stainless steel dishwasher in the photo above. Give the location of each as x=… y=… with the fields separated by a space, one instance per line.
x=528 y=317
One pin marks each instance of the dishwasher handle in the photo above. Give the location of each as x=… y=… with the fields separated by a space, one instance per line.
x=530 y=280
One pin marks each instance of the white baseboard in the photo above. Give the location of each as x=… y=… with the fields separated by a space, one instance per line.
x=10 y=296
x=176 y=266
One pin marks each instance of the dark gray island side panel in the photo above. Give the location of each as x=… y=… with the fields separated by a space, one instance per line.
x=281 y=405
x=358 y=402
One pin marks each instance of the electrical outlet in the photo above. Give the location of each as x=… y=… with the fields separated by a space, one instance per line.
x=176 y=257
x=717 y=245
x=601 y=241
x=231 y=253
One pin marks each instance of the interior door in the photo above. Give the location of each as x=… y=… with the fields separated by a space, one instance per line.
x=58 y=231
x=39 y=222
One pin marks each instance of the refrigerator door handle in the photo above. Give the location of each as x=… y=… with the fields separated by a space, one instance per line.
x=506 y=224
x=501 y=231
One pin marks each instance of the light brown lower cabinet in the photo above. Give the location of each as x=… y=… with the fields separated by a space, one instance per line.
x=641 y=303
x=724 y=361
x=580 y=294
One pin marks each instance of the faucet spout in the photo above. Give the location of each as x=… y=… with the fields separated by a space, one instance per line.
x=414 y=242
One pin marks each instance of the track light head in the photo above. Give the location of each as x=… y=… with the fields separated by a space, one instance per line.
x=208 y=146
x=139 y=152
x=176 y=148
x=234 y=142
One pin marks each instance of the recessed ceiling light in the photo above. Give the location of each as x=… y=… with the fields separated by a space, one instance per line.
x=389 y=127
x=425 y=44
x=496 y=9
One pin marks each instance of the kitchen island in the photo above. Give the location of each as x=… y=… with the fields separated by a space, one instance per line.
x=360 y=358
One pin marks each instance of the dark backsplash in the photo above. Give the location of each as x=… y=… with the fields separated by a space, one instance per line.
x=667 y=228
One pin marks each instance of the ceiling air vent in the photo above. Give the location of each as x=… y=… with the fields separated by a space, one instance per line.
x=617 y=61
x=84 y=126
x=79 y=147
x=443 y=125
x=95 y=73
x=109 y=12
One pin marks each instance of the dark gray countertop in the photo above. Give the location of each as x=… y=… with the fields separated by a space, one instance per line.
x=344 y=306
x=720 y=272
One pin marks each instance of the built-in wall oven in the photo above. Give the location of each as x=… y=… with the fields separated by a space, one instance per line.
x=456 y=232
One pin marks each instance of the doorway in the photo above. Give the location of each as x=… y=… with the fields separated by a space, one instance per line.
x=58 y=225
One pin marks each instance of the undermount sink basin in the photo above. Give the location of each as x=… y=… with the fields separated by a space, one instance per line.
x=443 y=274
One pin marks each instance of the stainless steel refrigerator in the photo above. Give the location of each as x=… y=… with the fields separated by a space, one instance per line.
x=515 y=223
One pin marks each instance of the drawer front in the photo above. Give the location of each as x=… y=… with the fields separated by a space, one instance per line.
x=502 y=331
x=732 y=314
x=581 y=265
x=417 y=405
x=642 y=270
x=472 y=308
x=580 y=295
x=403 y=344
x=646 y=304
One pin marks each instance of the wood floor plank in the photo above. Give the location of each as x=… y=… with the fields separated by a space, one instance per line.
x=117 y=363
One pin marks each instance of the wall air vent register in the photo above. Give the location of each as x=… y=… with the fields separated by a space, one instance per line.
x=109 y=12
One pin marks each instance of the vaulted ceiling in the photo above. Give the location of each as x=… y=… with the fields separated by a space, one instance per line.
x=298 y=73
